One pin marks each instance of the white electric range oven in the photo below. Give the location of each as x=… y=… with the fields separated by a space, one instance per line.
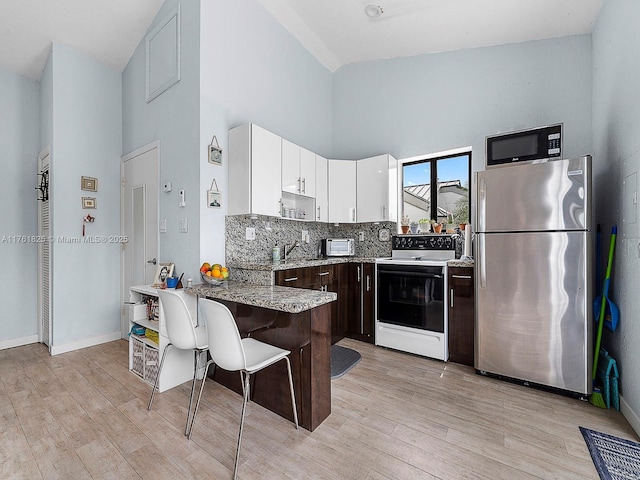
x=411 y=300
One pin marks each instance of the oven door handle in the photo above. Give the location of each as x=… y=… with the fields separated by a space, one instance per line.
x=409 y=274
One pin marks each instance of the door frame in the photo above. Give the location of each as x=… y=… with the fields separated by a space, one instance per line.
x=124 y=297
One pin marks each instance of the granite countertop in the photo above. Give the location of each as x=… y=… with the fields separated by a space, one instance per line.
x=284 y=299
x=460 y=263
x=298 y=263
x=312 y=262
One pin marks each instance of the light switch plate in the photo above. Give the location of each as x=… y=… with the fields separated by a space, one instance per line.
x=250 y=233
x=163 y=225
x=184 y=228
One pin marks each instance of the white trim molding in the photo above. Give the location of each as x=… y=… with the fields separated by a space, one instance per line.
x=18 y=342
x=85 y=342
x=631 y=415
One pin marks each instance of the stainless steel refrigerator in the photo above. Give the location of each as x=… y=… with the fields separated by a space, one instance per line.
x=533 y=253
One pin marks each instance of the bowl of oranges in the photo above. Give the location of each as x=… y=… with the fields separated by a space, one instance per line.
x=214 y=274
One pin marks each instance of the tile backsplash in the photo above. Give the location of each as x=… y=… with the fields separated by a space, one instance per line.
x=270 y=231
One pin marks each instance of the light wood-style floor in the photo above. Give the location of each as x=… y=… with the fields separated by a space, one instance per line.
x=394 y=416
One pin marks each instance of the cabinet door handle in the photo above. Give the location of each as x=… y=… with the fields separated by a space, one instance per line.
x=368 y=282
x=467 y=277
x=451 y=298
x=318 y=213
x=304 y=185
x=384 y=212
x=299 y=185
x=322 y=274
x=358 y=274
x=292 y=279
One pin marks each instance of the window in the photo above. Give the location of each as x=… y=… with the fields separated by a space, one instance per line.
x=451 y=174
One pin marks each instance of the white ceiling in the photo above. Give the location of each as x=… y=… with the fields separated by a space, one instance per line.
x=337 y=32
x=107 y=30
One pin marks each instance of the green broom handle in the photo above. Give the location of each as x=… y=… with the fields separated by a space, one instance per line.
x=603 y=303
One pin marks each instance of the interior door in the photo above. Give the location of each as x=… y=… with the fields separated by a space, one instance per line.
x=44 y=249
x=139 y=220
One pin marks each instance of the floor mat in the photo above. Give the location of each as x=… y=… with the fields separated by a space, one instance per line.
x=342 y=360
x=614 y=458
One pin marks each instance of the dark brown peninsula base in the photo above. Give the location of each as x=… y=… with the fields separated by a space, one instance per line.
x=308 y=336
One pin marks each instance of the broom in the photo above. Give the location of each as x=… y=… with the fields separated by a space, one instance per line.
x=597 y=398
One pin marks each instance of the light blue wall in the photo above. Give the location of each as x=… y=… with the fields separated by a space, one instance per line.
x=19 y=133
x=429 y=103
x=616 y=124
x=173 y=119
x=253 y=70
x=85 y=133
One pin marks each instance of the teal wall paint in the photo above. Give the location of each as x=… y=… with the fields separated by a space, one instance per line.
x=85 y=133
x=19 y=137
x=172 y=118
x=430 y=103
x=253 y=70
x=616 y=123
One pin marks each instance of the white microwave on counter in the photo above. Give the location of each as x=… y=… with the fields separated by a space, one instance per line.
x=338 y=247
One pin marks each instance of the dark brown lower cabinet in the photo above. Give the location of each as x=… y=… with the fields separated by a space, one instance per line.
x=306 y=336
x=361 y=309
x=328 y=278
x=461 y=315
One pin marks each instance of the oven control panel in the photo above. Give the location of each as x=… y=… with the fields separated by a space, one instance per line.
x=423 y=242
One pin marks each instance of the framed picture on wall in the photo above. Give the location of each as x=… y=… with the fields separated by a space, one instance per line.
x=89 y=184
x=214 y=199
x=214 y=196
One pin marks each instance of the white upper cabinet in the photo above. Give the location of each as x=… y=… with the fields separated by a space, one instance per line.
x=342 y=191
x=377 y=188
x=255 y=166
x=290 y=167
x=308 y=172
x=298 y=169
x=322 y=189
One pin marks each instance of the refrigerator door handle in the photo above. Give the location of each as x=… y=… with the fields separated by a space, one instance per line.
x=482 y=267
x=482 y=205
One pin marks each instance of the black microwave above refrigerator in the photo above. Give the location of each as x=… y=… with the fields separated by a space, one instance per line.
x=529 y=145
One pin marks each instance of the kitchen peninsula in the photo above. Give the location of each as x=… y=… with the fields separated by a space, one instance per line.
x=296 y=319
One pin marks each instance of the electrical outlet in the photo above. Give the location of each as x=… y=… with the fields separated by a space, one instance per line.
x=183 y=226
x=250 y=233
x=305 y=236
x=163 y=225
x=361 y=236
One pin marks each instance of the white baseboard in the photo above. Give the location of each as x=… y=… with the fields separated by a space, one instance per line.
x=86 y=342
x=632 y=416
x=18 y=342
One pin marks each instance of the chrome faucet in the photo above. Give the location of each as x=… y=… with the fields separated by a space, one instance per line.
x=287 y=253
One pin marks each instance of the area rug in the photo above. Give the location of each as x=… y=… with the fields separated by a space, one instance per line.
x=342 y=360
x=614 y=458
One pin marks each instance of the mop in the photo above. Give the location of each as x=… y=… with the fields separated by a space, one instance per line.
x=596 y=397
